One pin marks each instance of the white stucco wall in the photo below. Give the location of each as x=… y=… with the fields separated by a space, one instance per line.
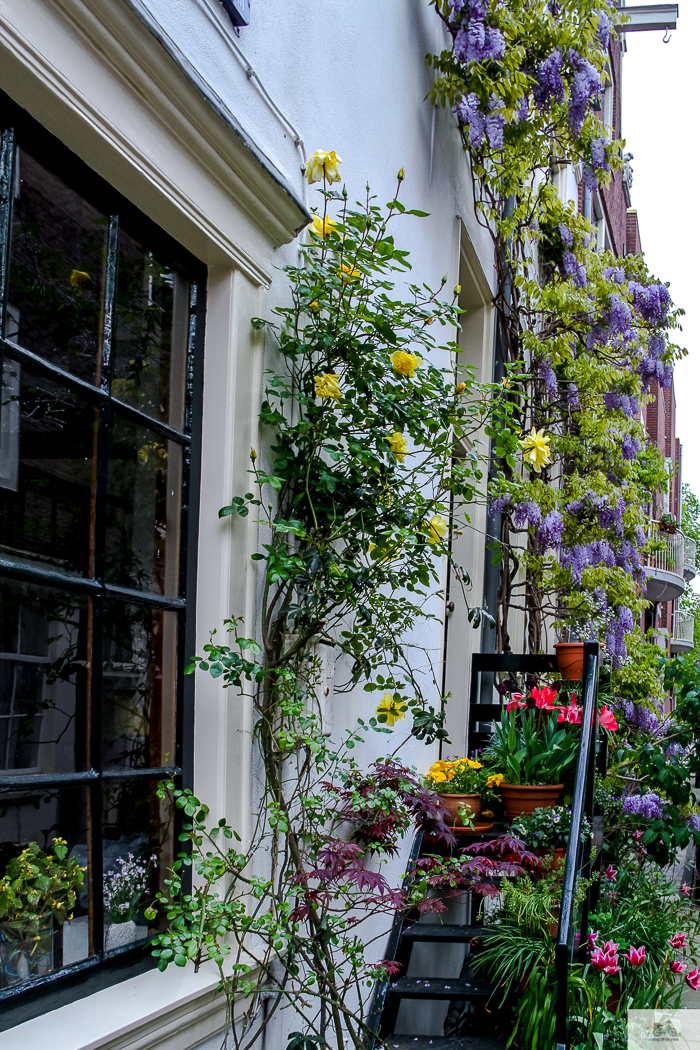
x=349 y=76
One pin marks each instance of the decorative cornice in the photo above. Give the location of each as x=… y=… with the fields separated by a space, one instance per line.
x=123 y=46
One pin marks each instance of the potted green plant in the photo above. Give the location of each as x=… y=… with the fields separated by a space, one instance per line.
x=667 y=523
x=123 y=891
x=37 y=891
x=535 y=751
x=547 y=831
x=464 y=786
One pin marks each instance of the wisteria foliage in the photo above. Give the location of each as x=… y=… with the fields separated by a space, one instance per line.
x=585 y=334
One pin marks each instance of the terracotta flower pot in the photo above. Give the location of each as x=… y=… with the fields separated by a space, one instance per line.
x=468 y=802
x=553 y=860
x=520 y=799
x=570 y=660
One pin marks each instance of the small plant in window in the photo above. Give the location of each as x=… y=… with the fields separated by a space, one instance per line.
x=37 y=884
x=124 y=888
x=667 y=523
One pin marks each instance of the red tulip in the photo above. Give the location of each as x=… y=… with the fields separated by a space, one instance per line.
x=606 y=720
x=679 y=940
x=610 y=873
x=678 y=967
x=544 y=698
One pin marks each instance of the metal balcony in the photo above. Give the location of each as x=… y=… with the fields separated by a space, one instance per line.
x=683 y=640
x=689 y=563
x=664 y=567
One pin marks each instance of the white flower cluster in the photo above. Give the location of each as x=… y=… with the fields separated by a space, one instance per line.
x=122 y=890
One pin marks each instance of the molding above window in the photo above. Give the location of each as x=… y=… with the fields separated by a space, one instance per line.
x=93 y=74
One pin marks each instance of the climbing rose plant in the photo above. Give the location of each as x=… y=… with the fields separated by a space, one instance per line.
x=581 y=333
x=352 y=489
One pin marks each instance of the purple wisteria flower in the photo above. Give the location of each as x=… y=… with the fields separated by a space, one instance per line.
x=549 y=85
x=523 y=109
x=480 y=124
x=585 y=90
x=551 y=530
x=651 y=303
x=601 y=600
x=631 y=447
x=614 y=273
x=598 y=164
x=619 y=315
x=566 y=235
x=550 y=380
x=574 y=269
x=498 y=504
x=603 y=30
x=650 y=366
x=694 y=822
x=525 y=513
x=649 y=805
x=572 y=396
x=641 y=718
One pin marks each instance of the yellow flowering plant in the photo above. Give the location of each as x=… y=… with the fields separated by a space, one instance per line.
x=463 y=776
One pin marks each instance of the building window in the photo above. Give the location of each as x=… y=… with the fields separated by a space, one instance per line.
x=101 y=380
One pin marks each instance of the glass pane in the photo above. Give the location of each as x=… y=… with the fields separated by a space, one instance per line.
x=38 y=936
x=44 y=679
x=150 y=342
x=138 y=686
x=46 y=493
x=57 y=270
x=137 y=851
x=143 y=509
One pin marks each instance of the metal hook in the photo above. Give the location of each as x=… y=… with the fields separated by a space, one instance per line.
x=667 y=36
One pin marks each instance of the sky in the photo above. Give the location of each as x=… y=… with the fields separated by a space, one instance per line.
x=661 y=126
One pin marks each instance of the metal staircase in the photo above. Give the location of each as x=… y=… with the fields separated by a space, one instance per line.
x=469 y=994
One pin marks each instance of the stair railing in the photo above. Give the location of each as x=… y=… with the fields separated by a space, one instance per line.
x=578 y=853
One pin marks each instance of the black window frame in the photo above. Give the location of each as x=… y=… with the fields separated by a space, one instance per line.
x=44 y=993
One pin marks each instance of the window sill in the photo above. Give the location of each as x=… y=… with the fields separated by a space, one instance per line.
x=174 y=1010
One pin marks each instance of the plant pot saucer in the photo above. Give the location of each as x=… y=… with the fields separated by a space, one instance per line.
x=476 y=830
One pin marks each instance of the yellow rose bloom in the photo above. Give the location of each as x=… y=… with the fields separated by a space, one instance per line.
x=79 y=278
x=473 y=765
x=399 y=445
x=328 y=386
x=536 y=450
x=460 y=388
x=496 y=780
x=436 y=528
x=391 y=711
x=322 y=166
x=347 y=274
x=321 y=227
x=405 y=363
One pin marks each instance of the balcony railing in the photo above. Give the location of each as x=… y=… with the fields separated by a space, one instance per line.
x=689 y=555
x=683 y=639
x=670 y=556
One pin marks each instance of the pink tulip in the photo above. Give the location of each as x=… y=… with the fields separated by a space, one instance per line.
x=685 y=889
x=515 y=702
x=637 y=837
x=636 y=956
x=592 y=938
x=606 y=962
x=610 y=873
x=692 y=979
x=610 y=948
x=678 y=967
x=679 y=940
x=606 y=720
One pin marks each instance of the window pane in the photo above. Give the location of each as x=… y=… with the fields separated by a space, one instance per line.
x=56 y=270
x=143 y=509
x=34 y=940
x=138 y=686
x=46 y=493
x=44 y=678
x=150 y=343
x=137 y=853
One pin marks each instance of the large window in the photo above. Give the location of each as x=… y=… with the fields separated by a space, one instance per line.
x=101 y=369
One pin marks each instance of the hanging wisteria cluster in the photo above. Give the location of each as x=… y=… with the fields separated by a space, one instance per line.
x=584 y=334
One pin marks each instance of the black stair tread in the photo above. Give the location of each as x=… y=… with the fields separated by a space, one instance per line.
x=440 y=988
x=448 y=933
x=443 y=1042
